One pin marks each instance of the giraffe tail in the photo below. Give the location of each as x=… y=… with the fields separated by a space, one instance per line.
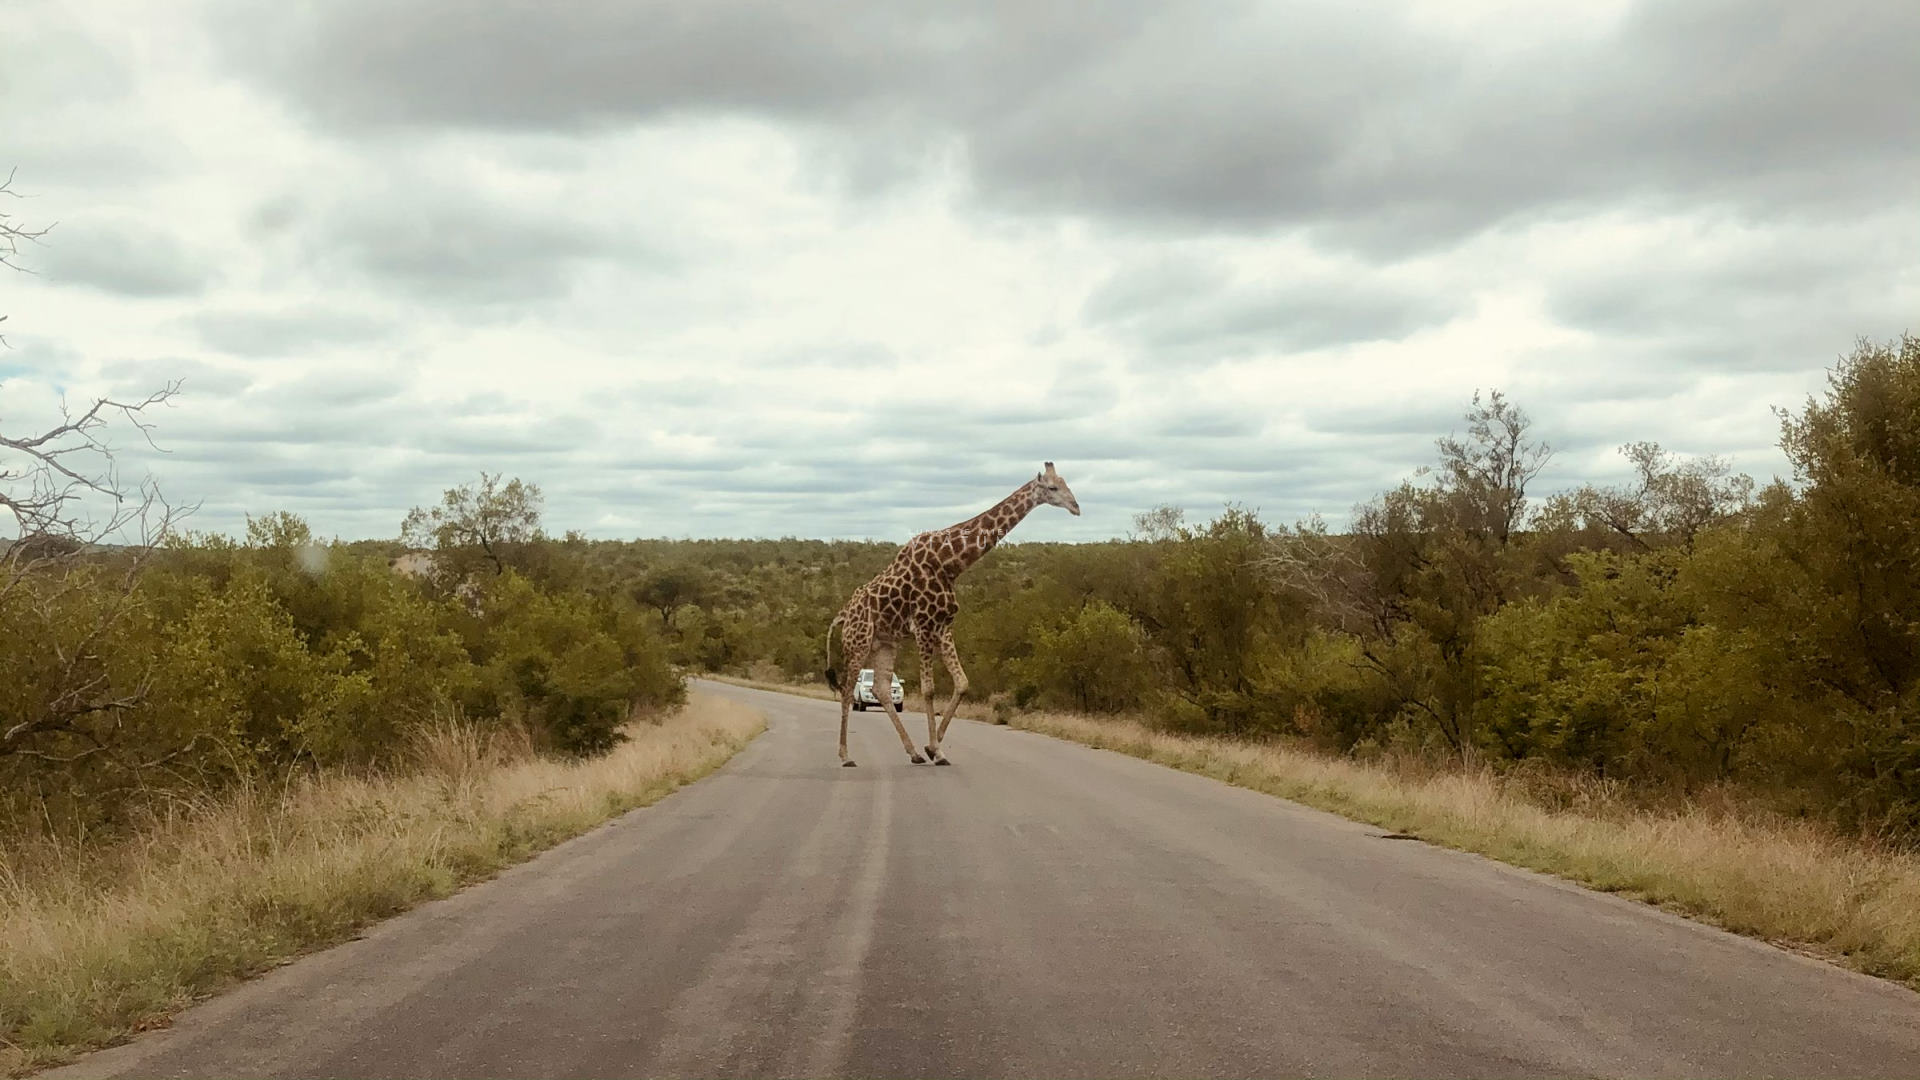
x=833 y=672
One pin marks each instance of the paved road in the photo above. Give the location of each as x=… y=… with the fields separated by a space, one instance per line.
x=1038 y=909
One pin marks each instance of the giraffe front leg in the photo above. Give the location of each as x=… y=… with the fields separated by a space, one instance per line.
x=926 y=699
x=950 y=656
x=883 y=684
x=929 y=648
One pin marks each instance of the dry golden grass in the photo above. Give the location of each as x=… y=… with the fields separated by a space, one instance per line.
x=96 y=943
x=1735 y=866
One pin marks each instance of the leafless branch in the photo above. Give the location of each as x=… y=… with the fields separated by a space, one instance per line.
x=62 y=465
x=71 y=577
x=11 y=235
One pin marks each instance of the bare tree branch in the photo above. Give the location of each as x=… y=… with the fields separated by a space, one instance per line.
x=11 y=235
x=62 y=465
x=49 y=481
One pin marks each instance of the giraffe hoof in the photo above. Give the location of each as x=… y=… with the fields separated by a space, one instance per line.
x=846 y=764
x=917 y=759
x=941 y=761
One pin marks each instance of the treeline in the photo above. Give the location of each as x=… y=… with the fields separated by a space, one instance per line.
x=1685 y=629
x=1689 y=628
x=135 y=675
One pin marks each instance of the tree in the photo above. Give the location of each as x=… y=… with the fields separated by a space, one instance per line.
x=670 y=588
x=1212 y=612
x=1485 y=475
x=1853 y=530
x=479 y=523
x=1095 y=661
x=1670 y=500
x=1161 y=523
x=1848 y=603
x=1425 y=563
x=60 y=596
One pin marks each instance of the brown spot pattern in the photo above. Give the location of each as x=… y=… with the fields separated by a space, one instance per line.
x=914 y=599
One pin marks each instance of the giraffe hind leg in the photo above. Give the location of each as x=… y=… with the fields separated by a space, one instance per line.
x=950 y=656
x=846 y=706
x=883 y=690
x=927 y=700
x=855 y=649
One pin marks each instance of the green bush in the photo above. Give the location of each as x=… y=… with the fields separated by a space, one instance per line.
x=571 y=668
x=220 y=658
x=1095 y=661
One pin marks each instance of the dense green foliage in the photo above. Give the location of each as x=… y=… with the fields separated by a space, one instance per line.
x=1684 y=629
x=1681 y=630
x=178 y=670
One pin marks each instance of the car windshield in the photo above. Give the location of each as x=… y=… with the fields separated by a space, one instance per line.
x=866 y=675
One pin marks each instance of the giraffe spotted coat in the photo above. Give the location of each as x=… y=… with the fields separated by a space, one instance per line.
x=914 y=599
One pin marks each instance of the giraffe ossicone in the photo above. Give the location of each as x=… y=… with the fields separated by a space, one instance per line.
x=913 y=599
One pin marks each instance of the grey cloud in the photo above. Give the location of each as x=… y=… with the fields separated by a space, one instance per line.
x=1342 y=119
x=1374 y=138
x=126 y=257
x=335 y=388
x=1189 y=310
x=308 y=479
x=1212 y=425
x=465 y=253
x=85 y=124
x=1015 y=410
x=1790 y=299
x=199 y=380
x=38 y=358
x=295 y=331
x=861 y=358
x=1386 y=416
x=360 y=63
x=1606 y=373
x=599 y=62
x=702 y=463
x=447 y=241
x=692 y=390
x=65 y=62
x=501 y=435
x=802 y=481
x=1020 y=450
x=323 y=414
x=1153 y=115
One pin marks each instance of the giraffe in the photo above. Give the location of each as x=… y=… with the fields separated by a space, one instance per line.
x=914 y=596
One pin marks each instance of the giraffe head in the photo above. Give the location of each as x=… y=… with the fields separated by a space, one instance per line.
x=1054 y=491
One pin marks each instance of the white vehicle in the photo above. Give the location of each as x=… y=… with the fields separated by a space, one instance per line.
x=863 y=692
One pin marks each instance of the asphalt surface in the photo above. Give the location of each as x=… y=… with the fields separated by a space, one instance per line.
x=1037 y=909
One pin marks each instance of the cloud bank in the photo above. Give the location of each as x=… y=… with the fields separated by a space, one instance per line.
x=855 y=269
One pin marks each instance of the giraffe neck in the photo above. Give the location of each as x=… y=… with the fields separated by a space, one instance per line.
x=977 y=535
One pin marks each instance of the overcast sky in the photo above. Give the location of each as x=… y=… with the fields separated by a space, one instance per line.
x=722 y=269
